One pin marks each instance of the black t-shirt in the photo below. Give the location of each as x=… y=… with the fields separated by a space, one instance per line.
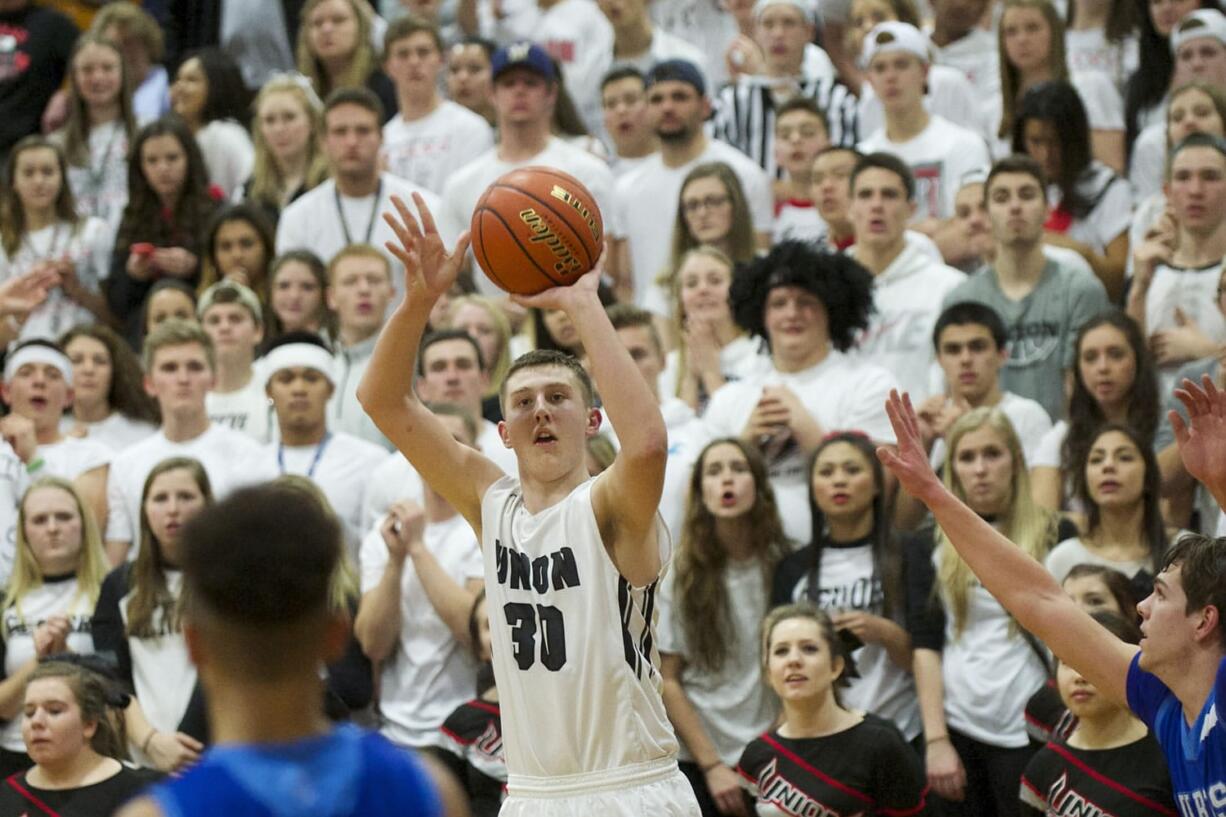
x=1129 y=781
x=473 y=734
x=35 y=43
x=865 y=770
x=98 y=800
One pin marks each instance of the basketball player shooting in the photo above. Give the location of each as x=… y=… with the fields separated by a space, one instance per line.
x=571 y=562
x=1175 y=682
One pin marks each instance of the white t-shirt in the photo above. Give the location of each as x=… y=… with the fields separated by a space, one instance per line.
x=228 y=154
x=798 y=221
x=733 y=703
x=101 y=186
x=687 y=435
x=88 y=246
x=390 y=481
x=989 y=672
x=247 y=410
x=1088 y=50
x=62 y=596
x=73 y=456
x=977 y=56
x=116 y=432
x=950 y=96
x=744 y=357
x=225 y=454
x=1030 y=420
x=314 y=221
x=14 y=479
x=939 y=157
x=907 y=295
x=645 y=207
x=1112 y=213
x=428 y=150
x=466 y=185
x=709 y=26
x=1147 y=167
x=340 y=467
x=1072 y=552
x=1047 y=455
x=429 y=674
x=1195 y=292
x=841 y=394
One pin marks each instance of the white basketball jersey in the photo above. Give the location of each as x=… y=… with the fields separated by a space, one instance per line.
x=573 y=642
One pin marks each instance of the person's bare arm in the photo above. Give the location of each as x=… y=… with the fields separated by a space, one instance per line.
x=458 y=472
x=946 y=774
x=1047 y=486
x=626 y=496
x=1018 y=582
x=722 y=781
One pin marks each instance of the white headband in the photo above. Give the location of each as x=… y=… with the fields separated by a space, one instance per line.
x=37 y=353
x=292 y=355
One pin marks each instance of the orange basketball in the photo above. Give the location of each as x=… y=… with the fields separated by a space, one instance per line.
x=536 y=228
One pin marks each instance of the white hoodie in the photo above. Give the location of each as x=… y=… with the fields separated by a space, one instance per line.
x=908 y=296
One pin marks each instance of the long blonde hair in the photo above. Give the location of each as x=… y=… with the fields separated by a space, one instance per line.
x=1010 y=79
x=1026 y=524
x=361 y=65
x=267 y=184
x=27 y=576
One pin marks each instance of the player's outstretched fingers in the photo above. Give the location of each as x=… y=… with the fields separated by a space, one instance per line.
x=427 y=218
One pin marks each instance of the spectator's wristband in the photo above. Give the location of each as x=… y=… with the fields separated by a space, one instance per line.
x=35 y=465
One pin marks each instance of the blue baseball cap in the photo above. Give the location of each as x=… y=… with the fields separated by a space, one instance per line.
x=679 y=71
x=523 y=54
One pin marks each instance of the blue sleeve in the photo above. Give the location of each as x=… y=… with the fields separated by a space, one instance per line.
x=1219 y=697
x=1146 y=694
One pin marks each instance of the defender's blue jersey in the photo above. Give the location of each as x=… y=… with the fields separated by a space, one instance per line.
x=1195 y=754
x=346 y=772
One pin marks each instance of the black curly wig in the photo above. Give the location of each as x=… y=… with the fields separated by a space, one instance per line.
x=843 y=286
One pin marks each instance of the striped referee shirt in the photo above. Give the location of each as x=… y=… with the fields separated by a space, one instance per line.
x=745 y=115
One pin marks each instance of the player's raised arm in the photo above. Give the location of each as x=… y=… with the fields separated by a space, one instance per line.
x=1019 y=583
x=627 y=495
x=459 y=473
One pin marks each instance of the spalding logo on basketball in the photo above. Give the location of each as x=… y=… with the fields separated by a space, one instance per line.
x=536 y=228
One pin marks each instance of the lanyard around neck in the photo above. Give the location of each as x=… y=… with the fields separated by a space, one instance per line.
x=319 y=453
x=374 y=214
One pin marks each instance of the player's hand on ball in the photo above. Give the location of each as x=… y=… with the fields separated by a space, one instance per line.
x=429 y=270
x=563 y=297
x=909 y=461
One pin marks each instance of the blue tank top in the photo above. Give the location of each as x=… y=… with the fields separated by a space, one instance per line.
x=346 y=772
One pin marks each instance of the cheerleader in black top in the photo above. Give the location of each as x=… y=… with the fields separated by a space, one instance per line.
x=473 y=732
x=1108 y=764
x=823 y=759
x=68 y=723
